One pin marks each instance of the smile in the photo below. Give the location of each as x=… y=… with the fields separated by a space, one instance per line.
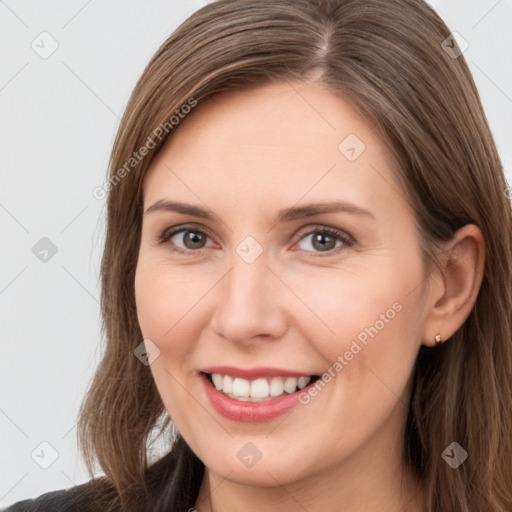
x=253 y=396
x=258 y=390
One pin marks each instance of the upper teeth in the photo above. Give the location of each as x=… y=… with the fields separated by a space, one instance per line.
x=244 y=390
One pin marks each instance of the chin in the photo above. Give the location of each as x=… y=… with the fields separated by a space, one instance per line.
x=245 y=464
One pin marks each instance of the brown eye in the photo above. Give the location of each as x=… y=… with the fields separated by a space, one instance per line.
x=325 y=240
x=194 y=239
x=185 y=239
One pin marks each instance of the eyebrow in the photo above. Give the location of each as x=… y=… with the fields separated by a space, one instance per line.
x=285 y=215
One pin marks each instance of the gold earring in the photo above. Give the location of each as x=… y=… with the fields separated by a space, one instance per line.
x=438 y=339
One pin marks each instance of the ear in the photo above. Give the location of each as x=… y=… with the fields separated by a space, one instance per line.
x=454 y=290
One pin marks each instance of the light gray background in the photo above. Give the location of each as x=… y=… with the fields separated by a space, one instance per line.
x=59 y=116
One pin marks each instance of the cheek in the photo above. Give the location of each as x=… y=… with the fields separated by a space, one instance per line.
x=165 y=300
x=167 y=316
x=364 y=321
x=340 y=309
x=153 y=297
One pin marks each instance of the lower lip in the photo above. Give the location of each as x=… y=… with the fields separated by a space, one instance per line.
x=249 y=412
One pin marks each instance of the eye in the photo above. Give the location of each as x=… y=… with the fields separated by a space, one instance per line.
x=325 y=239
x=192 y=239
x=322 y=239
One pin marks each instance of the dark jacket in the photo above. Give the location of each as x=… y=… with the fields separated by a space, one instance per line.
x=62 y=500
x=172 y=483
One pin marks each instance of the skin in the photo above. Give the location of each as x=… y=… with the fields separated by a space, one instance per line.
x=244 y=156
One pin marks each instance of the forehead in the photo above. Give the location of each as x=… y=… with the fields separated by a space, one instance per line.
x=279 y=142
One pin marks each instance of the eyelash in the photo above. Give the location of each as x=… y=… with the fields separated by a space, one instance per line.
x=325 y=230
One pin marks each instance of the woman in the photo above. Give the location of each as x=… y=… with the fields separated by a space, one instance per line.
x=307 y=268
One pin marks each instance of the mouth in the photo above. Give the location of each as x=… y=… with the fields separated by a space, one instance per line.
x=254 y=395
x=260 y=389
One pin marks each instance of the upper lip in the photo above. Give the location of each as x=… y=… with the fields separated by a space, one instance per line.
x=254 y=373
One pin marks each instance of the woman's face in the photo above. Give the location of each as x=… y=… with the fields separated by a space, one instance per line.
x=251 y=288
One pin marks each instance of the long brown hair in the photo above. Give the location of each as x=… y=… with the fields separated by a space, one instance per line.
x=389 y=60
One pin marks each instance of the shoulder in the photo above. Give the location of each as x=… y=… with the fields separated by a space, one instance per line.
x=175 y=478
x=64 y=500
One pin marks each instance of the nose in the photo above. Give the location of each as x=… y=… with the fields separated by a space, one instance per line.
x=250 y=303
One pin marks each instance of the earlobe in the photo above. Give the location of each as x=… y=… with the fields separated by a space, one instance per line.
x=461 y=277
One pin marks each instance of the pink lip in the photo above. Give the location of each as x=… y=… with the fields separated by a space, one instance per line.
x=253 y=373
x=249 y=412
